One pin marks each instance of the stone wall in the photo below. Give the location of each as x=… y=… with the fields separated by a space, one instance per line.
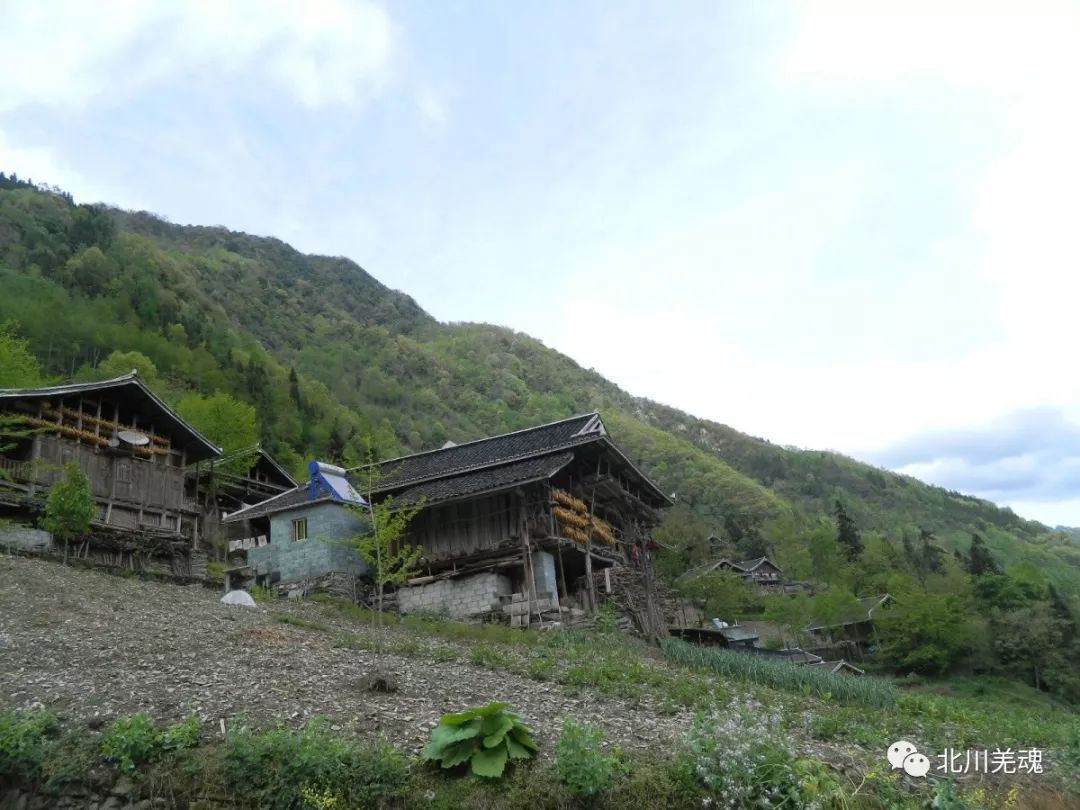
x=458 y=598
x=320 y=554
x=25 y=538
x=107 y=548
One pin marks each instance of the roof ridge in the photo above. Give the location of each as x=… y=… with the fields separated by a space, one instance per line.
x=483 y=465
x=478 y=441
x=231 y=515
x=131 y=377
x=43 y=389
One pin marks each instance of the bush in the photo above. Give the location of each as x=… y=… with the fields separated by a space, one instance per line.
x=486 y=737
x=133 y=741
x=581 y=762
x=261 y=594
x=281 y=769
x=25 y=741
x=741 y=758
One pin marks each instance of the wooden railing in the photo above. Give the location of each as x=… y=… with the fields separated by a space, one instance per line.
x=15 y=470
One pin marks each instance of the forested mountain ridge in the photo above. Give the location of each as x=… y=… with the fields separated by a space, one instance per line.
x=328 y=355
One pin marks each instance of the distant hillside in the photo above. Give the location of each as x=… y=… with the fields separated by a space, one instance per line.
x=328 y=355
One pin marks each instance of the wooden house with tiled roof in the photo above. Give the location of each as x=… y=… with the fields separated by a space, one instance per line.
x=758 y=571
x=132 y=446
x=532 y=513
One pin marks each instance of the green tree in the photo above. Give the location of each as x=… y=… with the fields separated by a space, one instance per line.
x=118 y=363
x=980 y=560
x=224 y=420
x=382 y=542
x=826 y=560
x=18 y=366
x=835 y=605
x=18 y=369
x=683 y=540
x=847 y=533
x=69 y=508
x=926 y=632
x=1030 y=638
x=726 y=595
x=789 y=613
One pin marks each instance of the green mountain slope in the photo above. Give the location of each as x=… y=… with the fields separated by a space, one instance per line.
x=329 y=355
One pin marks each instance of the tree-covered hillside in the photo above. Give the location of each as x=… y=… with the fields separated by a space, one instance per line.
x=328 y=355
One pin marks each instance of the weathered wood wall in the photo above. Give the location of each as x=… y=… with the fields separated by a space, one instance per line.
x=465 y=528
x=140 y=492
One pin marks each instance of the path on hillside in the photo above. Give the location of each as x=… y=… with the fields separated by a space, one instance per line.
x=91 y=644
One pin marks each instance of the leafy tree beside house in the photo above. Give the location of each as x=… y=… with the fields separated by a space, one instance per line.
x=381 y=543
x=69 y=507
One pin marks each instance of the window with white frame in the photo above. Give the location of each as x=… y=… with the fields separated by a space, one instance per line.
x=299 y=530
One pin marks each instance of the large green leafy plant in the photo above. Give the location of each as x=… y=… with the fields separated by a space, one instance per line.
x=484 y=736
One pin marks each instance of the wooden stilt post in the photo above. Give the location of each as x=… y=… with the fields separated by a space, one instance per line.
x=594 y=604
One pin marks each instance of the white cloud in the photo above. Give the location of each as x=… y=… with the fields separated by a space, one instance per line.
x=42 y=165
x=431 y=107
x=69 y=55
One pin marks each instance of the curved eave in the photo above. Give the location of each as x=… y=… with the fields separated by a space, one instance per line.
x=206 y=448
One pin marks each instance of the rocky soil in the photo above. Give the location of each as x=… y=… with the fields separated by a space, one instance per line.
x=92 y=645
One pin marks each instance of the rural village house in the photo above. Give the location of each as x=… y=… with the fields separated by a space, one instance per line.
x=856 y=627
x=134 y=450
x=758 y=571
x=523 y=523
x=297 y=535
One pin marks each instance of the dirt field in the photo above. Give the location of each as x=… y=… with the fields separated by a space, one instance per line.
x=90 y=644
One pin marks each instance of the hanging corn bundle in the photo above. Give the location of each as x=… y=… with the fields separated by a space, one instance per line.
x=576 y=534
x=568 y=518
x=563 y=497
x=569 y=501
x=601 y=530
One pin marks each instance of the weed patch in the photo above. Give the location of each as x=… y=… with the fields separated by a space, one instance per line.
x=282 y=769
x=296 y=621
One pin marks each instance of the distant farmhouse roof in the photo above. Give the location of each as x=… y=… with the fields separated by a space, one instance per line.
x=743 y=567
x=456 y=467
x=836 y=666
x=142 y=398
x=868 y=603
x=737 y=633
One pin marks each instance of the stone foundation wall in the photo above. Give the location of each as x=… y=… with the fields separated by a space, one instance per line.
x=132 y=554
x=25 y=538
x=458 y=598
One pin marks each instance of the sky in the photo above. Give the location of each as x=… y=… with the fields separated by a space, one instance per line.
x=845 y=226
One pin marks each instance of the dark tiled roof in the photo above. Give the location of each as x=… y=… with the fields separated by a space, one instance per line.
x=793 y=655
x=199 y=446
x=744 y=567
x=835 y=666
x=290 y=499
x=259 y=456
x=738 y=633
x=487 y=479
x=542 y=440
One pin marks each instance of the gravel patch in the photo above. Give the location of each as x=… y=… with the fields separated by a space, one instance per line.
x=92 y=645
